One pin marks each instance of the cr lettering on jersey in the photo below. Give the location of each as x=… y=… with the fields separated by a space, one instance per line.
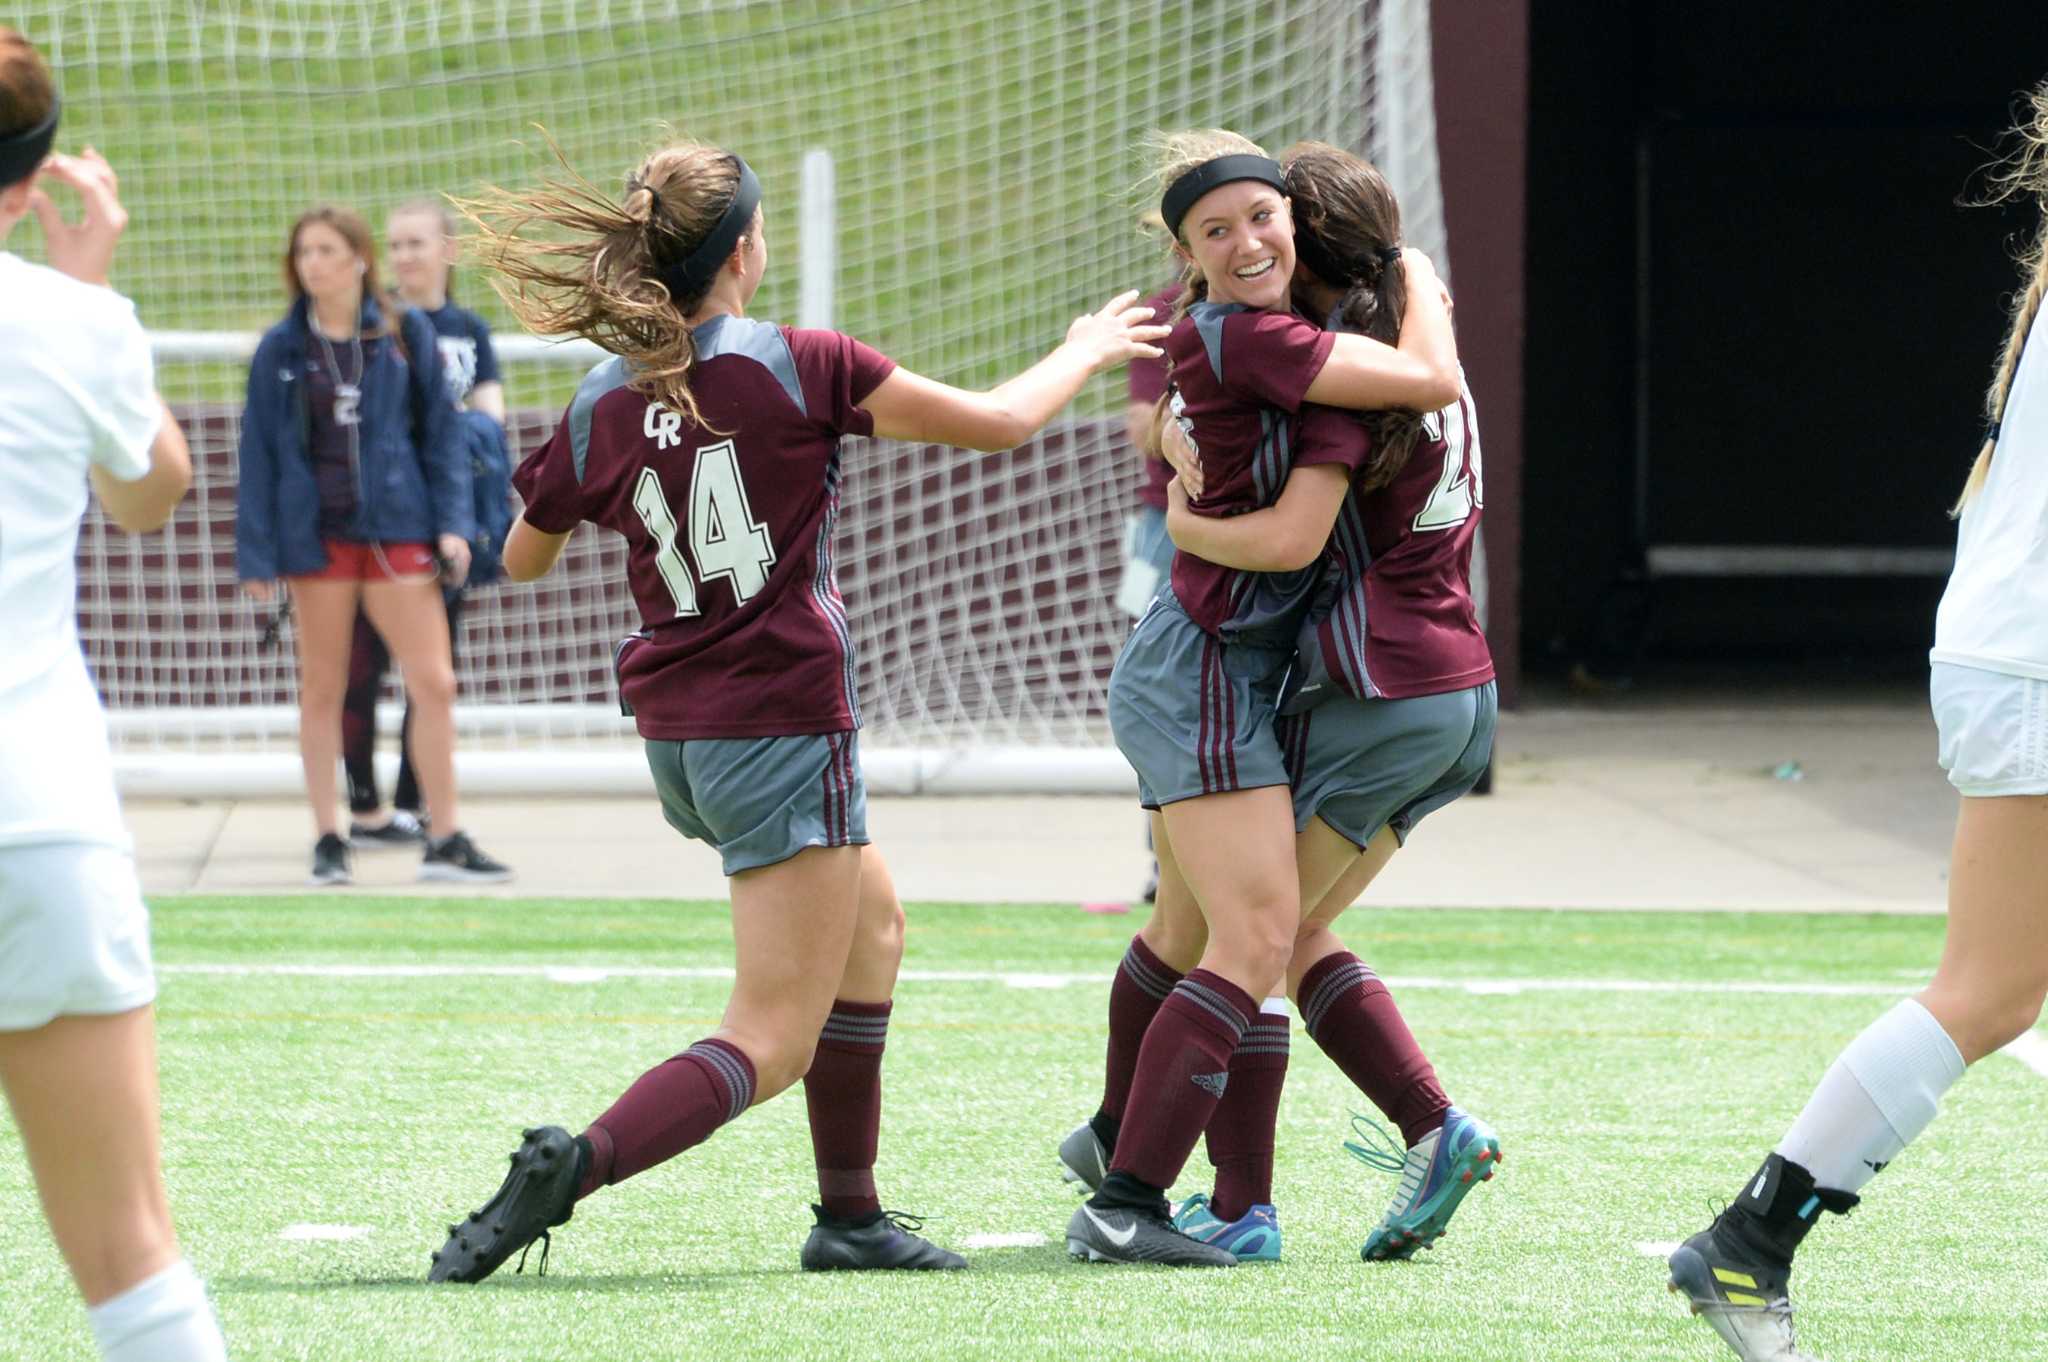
x=663 y=426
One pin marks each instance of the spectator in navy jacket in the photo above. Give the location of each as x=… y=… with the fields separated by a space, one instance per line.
x=356 y=492
x=421 y=242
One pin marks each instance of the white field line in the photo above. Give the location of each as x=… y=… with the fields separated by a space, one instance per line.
x=1656 y=1248
x=2031 y=1049
x=592 y=974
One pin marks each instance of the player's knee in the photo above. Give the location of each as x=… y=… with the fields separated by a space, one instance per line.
x=881 y=931
x=782 y=1060
x=1177 y=943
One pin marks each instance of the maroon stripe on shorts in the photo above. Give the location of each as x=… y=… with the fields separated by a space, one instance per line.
x=1205 y=747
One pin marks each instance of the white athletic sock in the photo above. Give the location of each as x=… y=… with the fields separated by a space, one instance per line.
x=165 y=1318
x=1874 y=1099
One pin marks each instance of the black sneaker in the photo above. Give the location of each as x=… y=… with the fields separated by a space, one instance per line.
x=1133 y=1234
x=884 y=1240
x=455 y=857
x=1744 y=1297
x=330 y=860
x=404 y=830
x=538 y=1194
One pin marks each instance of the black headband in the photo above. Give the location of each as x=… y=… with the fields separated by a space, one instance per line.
x=21 y=152
x=694 y=274
x=1182 y=194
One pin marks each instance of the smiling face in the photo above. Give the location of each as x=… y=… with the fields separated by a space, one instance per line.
x=327 y=266
x=421 y=252
x=1241 y=237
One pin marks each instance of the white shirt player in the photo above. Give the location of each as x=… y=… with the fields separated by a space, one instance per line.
x=76 y=389
x=1994 y=615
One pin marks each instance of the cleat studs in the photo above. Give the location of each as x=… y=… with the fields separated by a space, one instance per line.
x=1488 y=1177
x=1465 y=1176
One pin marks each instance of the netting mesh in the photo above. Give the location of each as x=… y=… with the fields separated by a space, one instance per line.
x=985 y=163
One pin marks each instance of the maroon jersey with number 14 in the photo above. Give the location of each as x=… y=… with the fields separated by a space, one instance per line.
x=728 y=527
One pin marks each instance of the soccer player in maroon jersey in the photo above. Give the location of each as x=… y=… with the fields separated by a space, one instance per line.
x=1389 y=714
x=1193 y=698
x=710 y=441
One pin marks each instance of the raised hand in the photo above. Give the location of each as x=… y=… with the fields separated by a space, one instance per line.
x=1117 y=333
x=85 y=251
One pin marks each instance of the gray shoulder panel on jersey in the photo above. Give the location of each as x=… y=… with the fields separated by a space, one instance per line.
x=604 y=378
x=1209 y=324
x=761 y=342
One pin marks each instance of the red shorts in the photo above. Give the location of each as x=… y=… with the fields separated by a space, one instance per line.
x=348 y=561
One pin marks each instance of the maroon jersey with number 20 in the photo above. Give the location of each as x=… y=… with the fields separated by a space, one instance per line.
x=728 y=526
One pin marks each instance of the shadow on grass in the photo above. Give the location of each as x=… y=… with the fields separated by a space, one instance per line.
x=1007 y=1262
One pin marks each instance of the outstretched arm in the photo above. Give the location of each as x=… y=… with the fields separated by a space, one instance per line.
x=1422 y=375
x=909 y=406
x=1287 y=535
x=531 y=553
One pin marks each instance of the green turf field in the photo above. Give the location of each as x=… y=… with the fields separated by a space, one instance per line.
x=387 y=1102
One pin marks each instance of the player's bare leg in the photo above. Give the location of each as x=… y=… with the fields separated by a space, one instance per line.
x=326 y=614
x=793 y=927
x=1236 y=852
x=1164 y=950
x=1885 y=1087
x=83 y=1090
x=843 y=1095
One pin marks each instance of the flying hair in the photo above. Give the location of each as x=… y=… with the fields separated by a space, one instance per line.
x=2023 y=174
x=597 y=273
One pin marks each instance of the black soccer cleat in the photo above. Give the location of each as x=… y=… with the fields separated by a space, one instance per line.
x=538 y=1194
x=885 y=1241
x=1742 y=1295
x=404 y=830
x=1131 y=1234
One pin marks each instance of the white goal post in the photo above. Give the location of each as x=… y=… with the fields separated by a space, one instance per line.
x=967 y=177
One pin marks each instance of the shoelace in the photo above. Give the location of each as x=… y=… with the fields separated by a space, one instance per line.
x=545 y=1240
x=906 y=1221
x=1374 y=1147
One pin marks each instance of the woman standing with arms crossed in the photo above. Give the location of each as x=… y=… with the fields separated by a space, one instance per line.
x=1990 y=697
x=355 y=490
x=78 y=405
x=711 y=443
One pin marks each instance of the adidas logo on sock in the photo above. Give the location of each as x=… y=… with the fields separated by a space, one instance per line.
x=1213 y=1084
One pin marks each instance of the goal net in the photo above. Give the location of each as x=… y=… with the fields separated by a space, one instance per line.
x=950 y=182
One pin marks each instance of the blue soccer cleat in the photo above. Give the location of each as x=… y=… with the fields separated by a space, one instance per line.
x=1253 y=1237
x=1435 y=1176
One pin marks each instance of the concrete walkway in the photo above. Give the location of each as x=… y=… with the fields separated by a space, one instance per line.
x=1683 y=802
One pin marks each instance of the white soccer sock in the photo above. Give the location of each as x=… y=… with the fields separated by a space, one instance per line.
x=165 y=1318
x=1874 y=1099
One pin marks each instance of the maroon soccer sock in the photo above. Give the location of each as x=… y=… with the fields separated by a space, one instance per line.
x=843 y=1092
x=1183 y=1069
x=1241 y=1131
x=1349 y=1013
x=1142 y=982
x=672 y=1106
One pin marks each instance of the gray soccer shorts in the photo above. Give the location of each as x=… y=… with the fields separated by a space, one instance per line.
x=1194 y=715
x=762 y=800
x=1361 y=765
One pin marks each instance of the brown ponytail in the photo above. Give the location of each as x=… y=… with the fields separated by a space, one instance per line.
x=2024 y=173
x=602 y=281
x=1347 y=216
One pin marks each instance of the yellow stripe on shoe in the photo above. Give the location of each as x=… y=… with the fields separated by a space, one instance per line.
x=1730 y=1278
